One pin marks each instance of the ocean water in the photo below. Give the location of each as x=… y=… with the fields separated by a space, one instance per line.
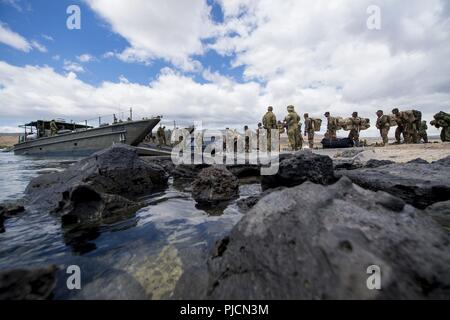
x=157 y=253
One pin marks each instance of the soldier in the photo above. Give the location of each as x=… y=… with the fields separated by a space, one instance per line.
x=400 y=127
x=355 y=128
x=331 y=126
x=247 y=140
x=309 y=130
x=258 y=132
x=442 y=120
x=407 y=121
x=423 y=132
x=161 y=135
x=269 y=122
x=383 y=124
x=292 y=121
x=53 y=128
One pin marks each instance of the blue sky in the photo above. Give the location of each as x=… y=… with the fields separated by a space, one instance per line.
x=221 y=62
x=39 y=19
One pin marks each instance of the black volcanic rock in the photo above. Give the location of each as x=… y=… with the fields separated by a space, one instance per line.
x=301 y=167
x=419 y=184
x=317 y=242
x=23 y=284
x=214 y=185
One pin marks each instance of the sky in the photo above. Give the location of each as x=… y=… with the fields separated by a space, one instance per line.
x=222 y=62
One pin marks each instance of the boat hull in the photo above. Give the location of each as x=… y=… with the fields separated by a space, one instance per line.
x=87 y=142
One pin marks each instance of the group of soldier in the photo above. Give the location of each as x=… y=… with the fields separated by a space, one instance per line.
x=292 y=125
x=409 y=125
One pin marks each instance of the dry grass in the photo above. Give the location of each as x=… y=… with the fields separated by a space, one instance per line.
x=8 y=141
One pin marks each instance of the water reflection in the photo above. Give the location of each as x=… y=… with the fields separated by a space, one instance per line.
x=157 y=252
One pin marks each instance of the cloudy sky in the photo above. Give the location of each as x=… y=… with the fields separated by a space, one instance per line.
x=221 y=61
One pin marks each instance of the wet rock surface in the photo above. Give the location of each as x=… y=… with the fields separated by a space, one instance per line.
x=440 y=211
x=375 y=163
x=301 y=167
x=188 y=171
x=419 y=184
x=84 y=204
x=9 y=209
x=245 y=170
x=23 y=284
x=116 y=170
x=215 y=185
x=316 y=242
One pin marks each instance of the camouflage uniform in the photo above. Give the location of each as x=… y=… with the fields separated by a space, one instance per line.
x=356 y=127
x=269 y=122
x=407 y=124
x=161 y=135
x=292 y=120
x=423 y=132
x=383 y=124
x=331 y=126
x=309 y=130
x=401 y=127
x=53 y=128
x=442 y=120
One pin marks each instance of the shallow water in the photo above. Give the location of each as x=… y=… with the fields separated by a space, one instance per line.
x=159 y=252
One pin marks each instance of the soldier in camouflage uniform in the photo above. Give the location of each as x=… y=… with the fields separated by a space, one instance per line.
x=292 y=121
x=53 y=128
x=355 y=128
x=423 y=132
x=309 y=130
x=383 y=124
x=442 y=120
x=331 y=126
x=161 y=135
x=400 y=127
x=408 y=122
x=269 y=122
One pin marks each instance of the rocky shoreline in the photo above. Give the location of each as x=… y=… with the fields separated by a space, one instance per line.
x=311 y=234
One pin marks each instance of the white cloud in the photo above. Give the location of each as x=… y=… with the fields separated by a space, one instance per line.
x=170 y=30
x=14 y=4
x=38 y=46
x=85 y=58
x=108 y=55
x=47 y=37
x=40 y=92
x=13 y=39
x=72 y=66
x=56 y=57
x=321 y=56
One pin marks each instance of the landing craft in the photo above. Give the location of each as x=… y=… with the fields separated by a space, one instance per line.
x=80 y=140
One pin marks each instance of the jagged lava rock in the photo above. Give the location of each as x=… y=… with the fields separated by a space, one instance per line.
x=316 y=242
x=214 y=185
x=419 y=184
x=302 y=166
x=23 y=284
x=440 y=212
x=117 y=170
